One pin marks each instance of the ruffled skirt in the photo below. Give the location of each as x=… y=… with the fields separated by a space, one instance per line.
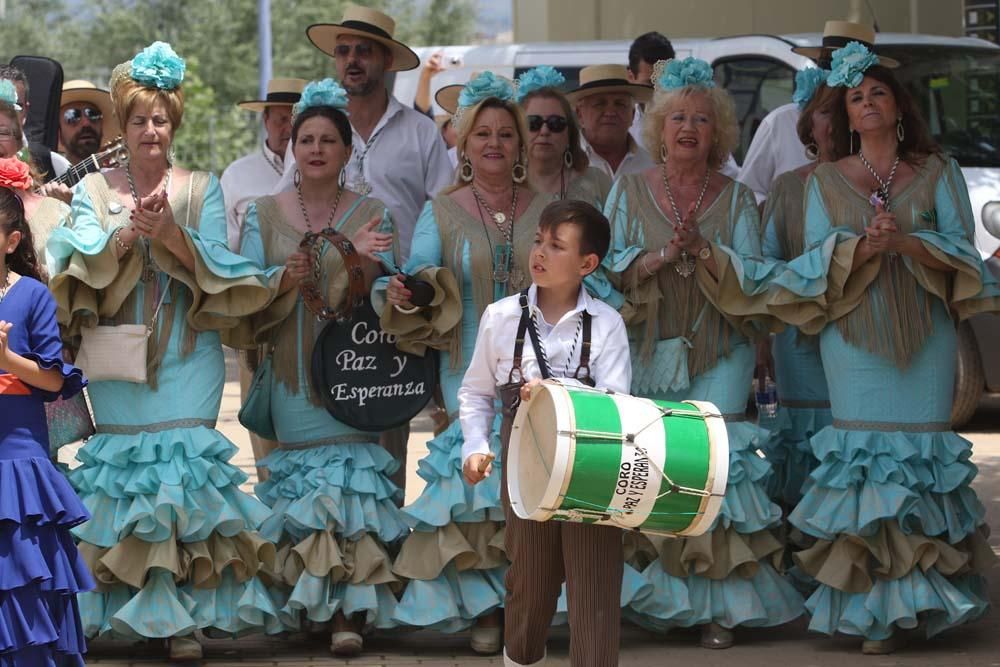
x=333 y=515
x=454 y=559
x=41 y=572
x=900 y=534
x=173 y=543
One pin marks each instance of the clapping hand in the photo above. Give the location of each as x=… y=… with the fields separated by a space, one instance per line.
x=369 y=242
x=154 y=218
x=5 y=328
x=883 y=234
x=688 y=234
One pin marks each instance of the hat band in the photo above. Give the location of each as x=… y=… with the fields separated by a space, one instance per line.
x=286 y=98
x=839 y=41
x=600 y=83
x=366 y=27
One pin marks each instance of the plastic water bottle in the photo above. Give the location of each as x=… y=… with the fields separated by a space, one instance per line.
x=766 y=396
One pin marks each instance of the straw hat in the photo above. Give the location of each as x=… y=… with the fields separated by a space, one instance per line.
x=447 y=96
x=837 y=34
x=597 y=79
x=368 y=23
x=79 y=90
x=280 y=93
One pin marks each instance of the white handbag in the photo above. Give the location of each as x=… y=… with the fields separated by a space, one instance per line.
x=117 y=352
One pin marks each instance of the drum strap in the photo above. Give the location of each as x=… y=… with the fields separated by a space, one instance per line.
x=527 y=325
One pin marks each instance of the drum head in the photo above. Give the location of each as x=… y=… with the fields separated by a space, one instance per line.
x=364 y=380
x=539 y=452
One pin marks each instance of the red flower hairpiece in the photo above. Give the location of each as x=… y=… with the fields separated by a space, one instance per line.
x=15 y=174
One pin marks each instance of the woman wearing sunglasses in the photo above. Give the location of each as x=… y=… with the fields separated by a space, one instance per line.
x=557 y=164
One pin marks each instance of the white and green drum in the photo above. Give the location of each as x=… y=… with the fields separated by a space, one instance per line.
x=594 y=456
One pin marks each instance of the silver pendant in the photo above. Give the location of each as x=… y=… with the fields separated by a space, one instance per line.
x=685 y=265
x=362 y=187
x=114 y=208
x=500 y=275
x=500 y=218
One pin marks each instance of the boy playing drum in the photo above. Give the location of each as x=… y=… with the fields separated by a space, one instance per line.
x=569 y=335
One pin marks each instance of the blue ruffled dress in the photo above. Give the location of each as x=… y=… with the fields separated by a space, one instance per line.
x=899 y=530
x=41 y=571
x=804 y=401
x=728 y=575
x=333 y=505
x=173 y=543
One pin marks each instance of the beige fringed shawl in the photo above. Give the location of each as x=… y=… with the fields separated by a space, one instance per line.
x=669 y=305
x=457 y=230
x=893 y=318
x=187 y=213
x=293 y=330
x=784 y=210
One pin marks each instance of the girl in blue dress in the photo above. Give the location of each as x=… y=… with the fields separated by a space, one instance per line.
x=40 y=569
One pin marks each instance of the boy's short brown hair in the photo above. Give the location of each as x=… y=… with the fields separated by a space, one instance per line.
x=595 y=231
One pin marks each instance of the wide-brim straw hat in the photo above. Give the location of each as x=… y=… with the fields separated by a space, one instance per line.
x=598 y=79
x=367 y=23
x=447 y=96
x=837 y=34
x=280 y=92
x=79 y=90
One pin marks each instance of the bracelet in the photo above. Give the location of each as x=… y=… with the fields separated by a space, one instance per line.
x=642 y=263
x=406 y=311
x=118 y=241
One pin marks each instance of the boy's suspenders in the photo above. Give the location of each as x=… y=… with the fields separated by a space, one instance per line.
x=527 y=325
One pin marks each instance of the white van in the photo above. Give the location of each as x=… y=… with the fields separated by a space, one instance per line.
x=955 y=81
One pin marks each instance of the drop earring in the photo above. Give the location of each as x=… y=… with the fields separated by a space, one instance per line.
x=900 y=132
x=466 y=172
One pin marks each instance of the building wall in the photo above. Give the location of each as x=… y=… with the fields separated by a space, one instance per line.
x=577 y=20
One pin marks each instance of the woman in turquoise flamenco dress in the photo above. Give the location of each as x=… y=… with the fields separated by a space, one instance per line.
x=890 y=265
x=678 y=231
x=804 y=403
x=333 y=505
x=173 y=542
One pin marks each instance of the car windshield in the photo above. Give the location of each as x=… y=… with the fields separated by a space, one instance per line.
x=957 y=89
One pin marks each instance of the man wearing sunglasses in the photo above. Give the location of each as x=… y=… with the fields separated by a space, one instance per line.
x=83 y=109
x=50 y=163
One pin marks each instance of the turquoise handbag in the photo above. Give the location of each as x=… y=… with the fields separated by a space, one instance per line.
x=255 y=413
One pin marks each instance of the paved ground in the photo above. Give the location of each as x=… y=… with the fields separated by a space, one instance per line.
x=977 y=644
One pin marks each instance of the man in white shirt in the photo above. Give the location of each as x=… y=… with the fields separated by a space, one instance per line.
x=605 y=105
x=776 y=147
x=398 y=154
x=258 y=172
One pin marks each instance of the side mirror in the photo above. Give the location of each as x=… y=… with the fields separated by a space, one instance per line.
x=991 y=218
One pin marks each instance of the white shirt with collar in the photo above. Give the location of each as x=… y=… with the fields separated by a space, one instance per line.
x=493 y=358
x=405 y=161
x=251 y=176
x=636 y=159
x=774 y=150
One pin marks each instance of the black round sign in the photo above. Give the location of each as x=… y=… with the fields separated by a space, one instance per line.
x=364 y=379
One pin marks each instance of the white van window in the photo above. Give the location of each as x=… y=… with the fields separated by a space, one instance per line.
x=958 y=90
x=758 y=85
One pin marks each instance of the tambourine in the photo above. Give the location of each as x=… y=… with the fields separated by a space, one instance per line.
x=309 y=288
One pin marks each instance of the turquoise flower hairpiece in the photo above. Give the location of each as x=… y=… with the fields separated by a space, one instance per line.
x=673 y=74
x=536 y=79
x=158 y=66
x=807 y=81
x=325 y=93
x=849 y=64
x=485 y=85
x=8 y=93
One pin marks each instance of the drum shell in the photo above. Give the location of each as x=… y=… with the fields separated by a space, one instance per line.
x=587 y=455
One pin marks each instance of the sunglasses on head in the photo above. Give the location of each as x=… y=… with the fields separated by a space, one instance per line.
x=556 y=124
x=74 y=116
x=363 y=50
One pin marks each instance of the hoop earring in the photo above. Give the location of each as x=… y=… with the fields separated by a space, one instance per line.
x=851 y=151
x=568 y=159
x=297 y=177
x=663 y=152
x=519 y=173
x=171 y=155
x=900 y=132
x=466 y=172
x=812 y=152
x=123 y=156
x=342 y=179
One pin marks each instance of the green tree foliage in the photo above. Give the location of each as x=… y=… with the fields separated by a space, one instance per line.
x=218 y=39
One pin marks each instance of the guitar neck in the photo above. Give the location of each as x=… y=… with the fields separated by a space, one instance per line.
x=77 y=171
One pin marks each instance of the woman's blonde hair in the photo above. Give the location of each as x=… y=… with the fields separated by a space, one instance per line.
x=467 y=121
x=127 y=93
x=727 y=130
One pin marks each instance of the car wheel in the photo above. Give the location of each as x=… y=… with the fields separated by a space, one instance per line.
x=969 y=378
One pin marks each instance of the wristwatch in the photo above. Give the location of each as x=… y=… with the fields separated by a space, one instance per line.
x=706 y=252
